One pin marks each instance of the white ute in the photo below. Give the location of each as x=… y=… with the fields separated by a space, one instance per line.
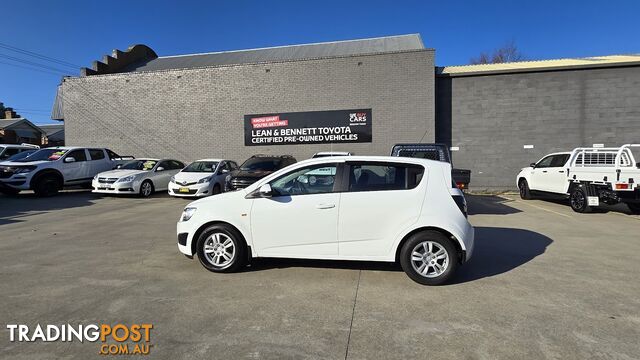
x=337 y=208
x=47 y=171
x=587 y=176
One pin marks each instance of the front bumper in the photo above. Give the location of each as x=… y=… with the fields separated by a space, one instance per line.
x=195 y=190
x=16 y=182
x=114 y=188
x=185 y=237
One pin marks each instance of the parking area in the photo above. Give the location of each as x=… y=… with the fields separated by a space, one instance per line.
x=544 y=282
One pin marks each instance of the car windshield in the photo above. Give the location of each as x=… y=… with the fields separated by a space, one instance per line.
x=201 y=166
x=141 y=164
x=20 y=155
x=45 y=155
x=261 y=164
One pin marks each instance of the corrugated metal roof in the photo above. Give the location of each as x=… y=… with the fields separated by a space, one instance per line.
x=540 y=65
x=6 y=123
x=51 y=129
x=285 y=53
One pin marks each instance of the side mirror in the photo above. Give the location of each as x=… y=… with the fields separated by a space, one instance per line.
x=265 y=191
x=533 y=165
x=224 y=171
x=119 y=166
x=160 y=169
x=69 y=159
x=638 y=165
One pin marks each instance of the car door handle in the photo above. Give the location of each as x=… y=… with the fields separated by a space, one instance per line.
x=561 y=171
x=325 y=206
x=544 y=171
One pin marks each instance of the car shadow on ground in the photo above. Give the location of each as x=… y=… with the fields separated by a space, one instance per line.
x=497 y=251
x=489 y=205
x=604 y=208
x=14 y=207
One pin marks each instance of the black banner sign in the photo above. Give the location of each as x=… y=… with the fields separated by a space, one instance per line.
x=313 y=127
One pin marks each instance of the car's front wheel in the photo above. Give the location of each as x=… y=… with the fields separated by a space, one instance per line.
x=429 y=258
x=220 y=248
x=146 y=188
x=525 y=192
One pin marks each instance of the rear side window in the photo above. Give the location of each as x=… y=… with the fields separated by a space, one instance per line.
x=381 y=177
x=96 y=154
x=112 y=155
x=79 y=155
x=176 y=165
x=9 y=152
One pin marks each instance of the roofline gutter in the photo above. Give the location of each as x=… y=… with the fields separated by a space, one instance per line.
x=625 y=64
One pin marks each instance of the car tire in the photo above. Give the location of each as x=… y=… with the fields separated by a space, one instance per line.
x=146 y=189
x=429 y=258
x=579 y=201
x=46 y=186
x=634 y=207
x=216 y=190
x=220 y=248
x=525 y=192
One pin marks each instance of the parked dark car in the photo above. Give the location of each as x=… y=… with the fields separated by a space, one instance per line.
x=438 y=152
x=255 y=168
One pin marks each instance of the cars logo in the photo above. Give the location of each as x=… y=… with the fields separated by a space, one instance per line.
x=358 y=117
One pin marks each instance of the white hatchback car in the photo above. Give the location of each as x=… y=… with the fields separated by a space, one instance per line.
x=140 y=177
x=201 y=178
x=356 y=208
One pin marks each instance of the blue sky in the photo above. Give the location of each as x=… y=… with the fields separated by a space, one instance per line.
x=82 y=31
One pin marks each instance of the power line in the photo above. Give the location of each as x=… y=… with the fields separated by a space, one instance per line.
x=39 y=56
x=32 y=69
x=46 y=67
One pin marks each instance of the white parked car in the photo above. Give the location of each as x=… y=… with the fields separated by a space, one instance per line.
x=201 y=178
x=8 y=150
x=356 y=208
x=138 y=177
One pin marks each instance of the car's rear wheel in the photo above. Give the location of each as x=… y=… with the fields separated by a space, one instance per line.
x=221 y=249
x=46 y=185
x=579 y=201
x=634 y=207
x=429 y=258
x=146 y=188
x=525 y=192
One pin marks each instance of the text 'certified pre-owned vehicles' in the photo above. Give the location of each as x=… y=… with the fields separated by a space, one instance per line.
x=201 y=178
x=47 y=171
x=255 y=168
x=137 y=177
x=343 y=208
x=587 y=176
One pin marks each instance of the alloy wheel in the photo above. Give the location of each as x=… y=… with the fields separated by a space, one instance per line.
x=146 y=189
x=577 y=200
x=429 y=259
x=219 y=250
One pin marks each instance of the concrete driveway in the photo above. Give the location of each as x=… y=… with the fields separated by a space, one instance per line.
x=544 y=283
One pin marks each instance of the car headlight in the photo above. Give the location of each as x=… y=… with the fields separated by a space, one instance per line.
x=204 y=180
x=173 y=179
x=24 y=169
x=127 y=178
x=187 y=213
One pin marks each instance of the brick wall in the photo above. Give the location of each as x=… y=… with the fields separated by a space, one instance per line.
x=491 y=117
x=197 y=113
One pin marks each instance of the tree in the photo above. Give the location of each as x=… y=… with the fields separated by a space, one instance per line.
x=507 y=53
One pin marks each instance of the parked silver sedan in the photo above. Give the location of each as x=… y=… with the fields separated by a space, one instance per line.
x=137 y=177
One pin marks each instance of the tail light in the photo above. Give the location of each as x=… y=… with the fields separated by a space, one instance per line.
x=622 y=186
x=460 y=185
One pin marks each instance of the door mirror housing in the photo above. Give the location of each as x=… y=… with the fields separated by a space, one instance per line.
x=224 y=171
x=638 y=165
x=533 y=165
x=160 y=169
x=265 y=191
x=69 y=159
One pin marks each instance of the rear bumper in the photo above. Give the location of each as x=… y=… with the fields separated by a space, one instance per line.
x=469 y=242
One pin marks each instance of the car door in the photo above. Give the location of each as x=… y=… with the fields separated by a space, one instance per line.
x=98 y=162
x=381 y=201
x=540 y=174
x=556 y=175
x=300 y=219
x=78 y=170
